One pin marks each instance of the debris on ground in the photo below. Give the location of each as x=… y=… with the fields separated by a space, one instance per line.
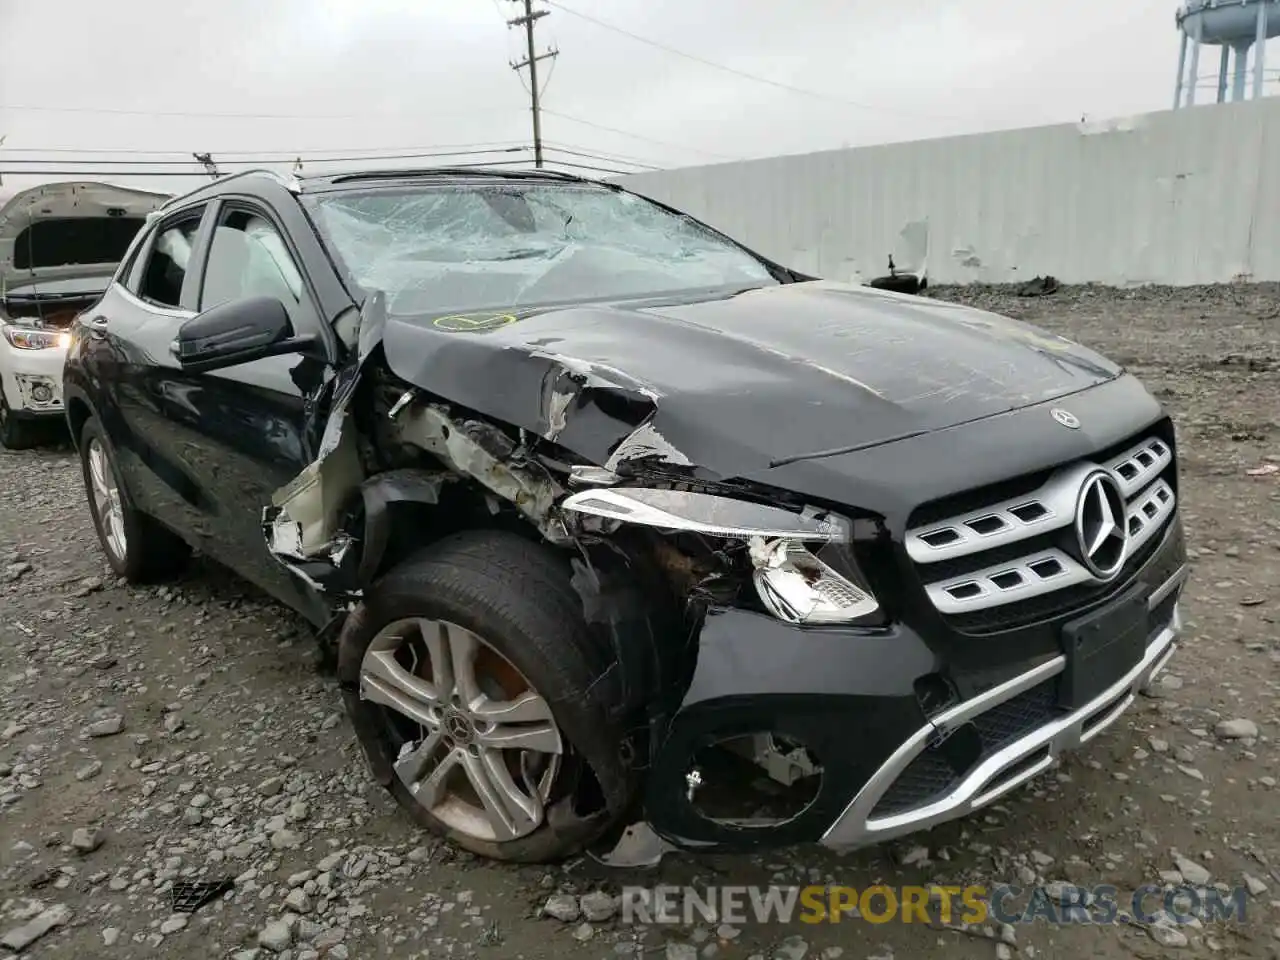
x=1039 y=287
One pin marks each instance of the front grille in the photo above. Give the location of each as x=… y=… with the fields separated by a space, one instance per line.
x=930 y=776
x=1010 y=555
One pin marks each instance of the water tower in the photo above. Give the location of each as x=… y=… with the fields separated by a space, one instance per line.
x=1234 y=25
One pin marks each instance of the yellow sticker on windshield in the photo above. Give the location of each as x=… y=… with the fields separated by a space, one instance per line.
x=463 y=324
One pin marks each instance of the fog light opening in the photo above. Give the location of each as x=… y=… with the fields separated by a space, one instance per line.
x=756 y=780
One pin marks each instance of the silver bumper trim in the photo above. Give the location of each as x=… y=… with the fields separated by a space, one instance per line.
x=1014 y=764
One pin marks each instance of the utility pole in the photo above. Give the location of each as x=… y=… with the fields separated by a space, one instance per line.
x=531 y=61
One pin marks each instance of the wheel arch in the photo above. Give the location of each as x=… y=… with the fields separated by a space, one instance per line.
x=78 y=410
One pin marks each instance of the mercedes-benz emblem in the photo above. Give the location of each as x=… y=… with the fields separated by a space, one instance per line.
x=1102 y=529
x=1066 y=418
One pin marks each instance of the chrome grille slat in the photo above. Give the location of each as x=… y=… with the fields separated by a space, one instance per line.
x=992 y=594
x=1057 y=497
x=1159 y=497
x=1149 y=503
x=1139 y=465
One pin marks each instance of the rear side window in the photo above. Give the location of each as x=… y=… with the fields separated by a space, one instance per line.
x=249 y=258
x=167 y=262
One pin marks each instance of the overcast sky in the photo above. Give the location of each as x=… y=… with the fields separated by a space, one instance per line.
x=365 y=75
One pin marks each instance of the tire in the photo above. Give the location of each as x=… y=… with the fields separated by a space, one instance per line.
x=15 y=434
x=150 y=552
x=516 y=598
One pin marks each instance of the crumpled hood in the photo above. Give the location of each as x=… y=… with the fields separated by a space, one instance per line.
x=736 y=383
x=61 y=246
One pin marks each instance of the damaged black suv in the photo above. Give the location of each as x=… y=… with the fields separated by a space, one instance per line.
x=599 y=510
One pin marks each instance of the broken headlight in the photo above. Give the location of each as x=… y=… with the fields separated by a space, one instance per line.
x=799 y=586
x=802 y=568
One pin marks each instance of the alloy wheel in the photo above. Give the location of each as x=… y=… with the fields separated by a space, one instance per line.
x=106 y=500
x=481 y=748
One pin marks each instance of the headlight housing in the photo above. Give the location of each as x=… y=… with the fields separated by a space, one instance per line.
x=25 y=338
x=787 y=548
x=798 y=586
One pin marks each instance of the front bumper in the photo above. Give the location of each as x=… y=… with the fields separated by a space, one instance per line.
x=32 y=380
x=1014 y=763
x=888 y=767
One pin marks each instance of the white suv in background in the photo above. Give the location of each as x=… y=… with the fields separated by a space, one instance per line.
x=60 y=243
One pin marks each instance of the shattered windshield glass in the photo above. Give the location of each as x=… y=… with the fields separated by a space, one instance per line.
x=436 y=249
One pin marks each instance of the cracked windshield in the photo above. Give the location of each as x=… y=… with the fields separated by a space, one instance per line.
x=434 y=250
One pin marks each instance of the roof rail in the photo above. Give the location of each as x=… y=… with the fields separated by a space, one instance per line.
x=496 y=172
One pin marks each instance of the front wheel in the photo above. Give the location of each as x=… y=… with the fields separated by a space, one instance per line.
x=137 y=547
x=468 y=672
x=15 y=434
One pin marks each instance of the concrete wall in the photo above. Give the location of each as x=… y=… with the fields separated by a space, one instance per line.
x=1184 y=197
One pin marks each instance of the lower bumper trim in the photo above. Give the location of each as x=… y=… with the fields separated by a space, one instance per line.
x=1007 y=768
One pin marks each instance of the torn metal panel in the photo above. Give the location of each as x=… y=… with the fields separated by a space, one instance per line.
x=303 y=524
x=307 y=509
x=477 y=450
x=646 y=443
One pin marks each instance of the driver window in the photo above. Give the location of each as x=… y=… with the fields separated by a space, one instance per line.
x=249 y=258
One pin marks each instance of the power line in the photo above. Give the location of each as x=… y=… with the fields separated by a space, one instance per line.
x=720 y=66
x=612 y=155
x=306 y=158
x=283 y=155
x=528 y=21
x=102 y=173
x=122 y=111
x=635 y=136
x=584 y=166
x=595 y=156
x=182 y=173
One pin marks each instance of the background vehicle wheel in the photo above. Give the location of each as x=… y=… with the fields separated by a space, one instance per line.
x=468 y=673
x=137 y=547
x=14 y=434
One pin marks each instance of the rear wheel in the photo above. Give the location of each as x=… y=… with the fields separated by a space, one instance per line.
x=15 y=434
x=469 y=670
x=137 y=547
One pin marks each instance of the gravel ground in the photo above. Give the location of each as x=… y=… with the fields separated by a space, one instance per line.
x=153 y=737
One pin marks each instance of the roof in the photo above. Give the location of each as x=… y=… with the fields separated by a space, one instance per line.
x=330 y=180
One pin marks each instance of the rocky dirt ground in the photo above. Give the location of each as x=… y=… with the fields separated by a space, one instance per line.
x=154 y=737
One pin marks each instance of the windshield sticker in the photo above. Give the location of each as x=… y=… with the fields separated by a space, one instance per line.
x=479 y=324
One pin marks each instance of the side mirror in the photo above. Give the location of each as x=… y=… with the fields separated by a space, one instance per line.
x=236 y=332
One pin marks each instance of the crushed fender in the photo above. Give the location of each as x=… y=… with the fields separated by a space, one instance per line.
x=302 y=526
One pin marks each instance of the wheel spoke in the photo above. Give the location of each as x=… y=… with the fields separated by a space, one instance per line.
x=384 y=681
x=541 y=737
x=526 y=708
x=511 y=810
x=440 y=654
x=96 y=470
x=432 y=791
x=462 y=653
x=414 y=762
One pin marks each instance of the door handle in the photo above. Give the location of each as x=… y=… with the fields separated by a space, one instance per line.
x=99 y=322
